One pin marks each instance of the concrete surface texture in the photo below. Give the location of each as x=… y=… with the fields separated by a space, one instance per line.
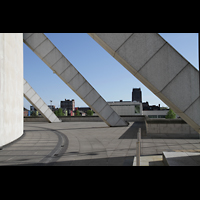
x=160 y=68
x=127 y=108
x=171 y=128
x=89 y=144
x=47 y=51
x=38 y=103
x=11 y=87
x=181 y=158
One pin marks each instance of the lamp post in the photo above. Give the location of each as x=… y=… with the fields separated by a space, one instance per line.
x=51 y=104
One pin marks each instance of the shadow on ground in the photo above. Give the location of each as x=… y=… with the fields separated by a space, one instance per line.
x=112 y=161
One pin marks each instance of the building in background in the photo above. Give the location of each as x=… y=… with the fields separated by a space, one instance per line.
x=126 y=107
x=146 y=106
x=69 y=106
x=52 y=107
x=137 y=95
x=26 y=112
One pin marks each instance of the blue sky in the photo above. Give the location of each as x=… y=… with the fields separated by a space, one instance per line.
x=111 y=80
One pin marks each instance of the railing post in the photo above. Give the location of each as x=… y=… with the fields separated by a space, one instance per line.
x=138 y=147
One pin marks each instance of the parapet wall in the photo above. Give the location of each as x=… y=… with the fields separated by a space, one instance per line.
x=164 y=126
x=84 y=119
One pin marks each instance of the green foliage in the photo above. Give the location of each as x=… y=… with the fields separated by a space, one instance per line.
x=59 y=112
x=137 y=109
x=89 y=112
x=171 y=114
x=77 y=113
x=33 y=114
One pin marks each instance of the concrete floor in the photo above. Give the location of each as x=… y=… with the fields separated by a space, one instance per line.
x=89 y=144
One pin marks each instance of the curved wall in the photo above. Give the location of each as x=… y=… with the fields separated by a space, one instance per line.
x=11 y=87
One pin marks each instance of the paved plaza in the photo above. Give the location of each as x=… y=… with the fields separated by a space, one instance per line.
x=90 y=144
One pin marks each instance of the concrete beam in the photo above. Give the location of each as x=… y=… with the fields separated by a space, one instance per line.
x=47 y=51
x=160 y=68
x=39 y=104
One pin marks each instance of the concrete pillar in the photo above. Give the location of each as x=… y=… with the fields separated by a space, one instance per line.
x=11 y=87
x=39 y=104
x=47 y=51
x=160 y=68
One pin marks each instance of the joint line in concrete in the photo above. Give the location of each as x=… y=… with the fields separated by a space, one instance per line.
x=57 y=61
x=96 y=100
x=191 y=104
x=39 y=44
x=29 y=36
x=124 y=42
x=65 y=69
x=152 y=56
x=48 y=53
x=81 y=84
x=175 y=77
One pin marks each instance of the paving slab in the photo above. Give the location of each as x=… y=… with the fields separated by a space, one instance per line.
x=90 y=144
x=153 y=160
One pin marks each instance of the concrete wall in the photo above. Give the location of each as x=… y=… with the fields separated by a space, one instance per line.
x=11 y=87
x=160 y=68
x=84 y=119
x=170 y=128
x=126 y=107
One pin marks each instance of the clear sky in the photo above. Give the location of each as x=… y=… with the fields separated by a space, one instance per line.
x=111 y=80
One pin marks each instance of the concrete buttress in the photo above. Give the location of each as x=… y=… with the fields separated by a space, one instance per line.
x=39 y=104
x=160 y=68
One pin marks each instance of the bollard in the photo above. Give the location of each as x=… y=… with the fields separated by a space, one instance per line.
x=138 y=147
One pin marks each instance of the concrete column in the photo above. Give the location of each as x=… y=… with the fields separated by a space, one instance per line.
x=11 y=87
x=160 y=68
x=47 y=51
x=39 y=104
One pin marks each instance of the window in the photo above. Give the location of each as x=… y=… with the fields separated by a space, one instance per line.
x=161 y=116
x=152 y=116
x=137 y=109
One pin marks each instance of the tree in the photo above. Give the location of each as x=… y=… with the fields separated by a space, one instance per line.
x=59 y=112
x=89 y=112
x=171 y=114
x=77 y=113
x=33 y=114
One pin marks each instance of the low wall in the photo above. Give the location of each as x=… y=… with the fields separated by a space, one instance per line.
x=84 y=119
x=168 y=126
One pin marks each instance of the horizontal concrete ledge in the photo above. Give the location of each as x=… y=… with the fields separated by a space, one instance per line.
x=181 y=158
x=84 y=119
x=165 y=121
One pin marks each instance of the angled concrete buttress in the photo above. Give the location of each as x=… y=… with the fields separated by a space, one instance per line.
x=44 y=48
x=160 y=68
x=38 y=103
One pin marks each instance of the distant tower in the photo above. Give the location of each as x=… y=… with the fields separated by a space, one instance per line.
x=137 y=95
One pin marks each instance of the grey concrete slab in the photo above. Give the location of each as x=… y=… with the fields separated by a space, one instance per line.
x=190 y=77
x=181 y=159
x=34 y=40
x=153 y=70
x=87 y=145
x=44 y=48
x=139 y=48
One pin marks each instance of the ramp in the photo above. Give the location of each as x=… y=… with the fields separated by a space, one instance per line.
x=160 y=68
x=47 y=51
x=38 y=103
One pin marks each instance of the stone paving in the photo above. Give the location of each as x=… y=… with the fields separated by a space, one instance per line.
x=89 y=144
